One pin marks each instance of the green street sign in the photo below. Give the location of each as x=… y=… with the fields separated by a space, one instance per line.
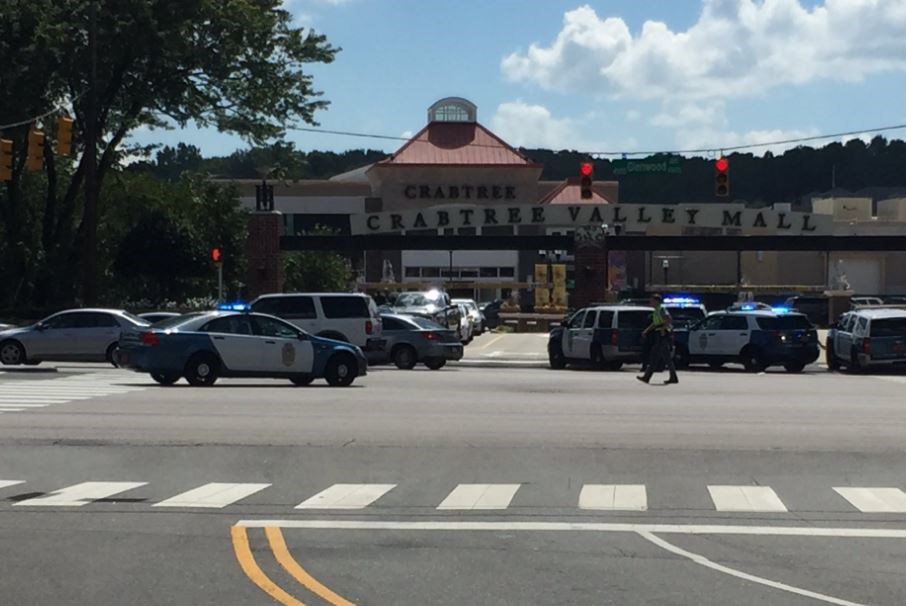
x=658 y=165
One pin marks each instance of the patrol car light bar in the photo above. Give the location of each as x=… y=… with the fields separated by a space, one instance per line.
x=681 y=301
x=234 y=307
x=781 y=310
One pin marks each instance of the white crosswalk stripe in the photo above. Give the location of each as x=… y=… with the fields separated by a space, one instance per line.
x=874 y=500
x=617 y=497
x=746 y=498
x=22 y=396
x=80 y=494
x=215 y=495
x=347 y=496
x=5 y=483
x=480 y=496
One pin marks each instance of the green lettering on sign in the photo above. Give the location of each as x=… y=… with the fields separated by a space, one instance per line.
x=655 y=165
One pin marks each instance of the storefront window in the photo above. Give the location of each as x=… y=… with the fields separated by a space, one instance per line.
x=488 y=272
x=507 y=272
x=412 y=272
x=430 y=272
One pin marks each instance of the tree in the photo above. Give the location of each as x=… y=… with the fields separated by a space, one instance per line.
x=238 y=66
x=316 y=271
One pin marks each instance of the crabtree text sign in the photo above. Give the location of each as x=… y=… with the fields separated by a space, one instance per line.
x=632 y=217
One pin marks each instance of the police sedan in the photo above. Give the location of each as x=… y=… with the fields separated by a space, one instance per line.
x=755 y=338
x=205 y=346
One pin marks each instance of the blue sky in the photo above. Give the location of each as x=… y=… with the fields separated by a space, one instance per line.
x=606 y=75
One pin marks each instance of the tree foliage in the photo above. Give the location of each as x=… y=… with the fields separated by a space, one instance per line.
x=316 y=271
x=237 y=65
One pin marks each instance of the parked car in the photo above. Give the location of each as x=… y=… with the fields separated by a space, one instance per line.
x=867 y=337
x=895 y=300
x=74 y=335
x=816 y=308
x=432 y=304
x=475 y=313
x=412 y=340
x=491 y=313
x=349 y=317
x=866 y=301
x=607 y=335
x=205 y=346
x=6 y=327
x=156 y=316
x=685 y=311
x=466 y=325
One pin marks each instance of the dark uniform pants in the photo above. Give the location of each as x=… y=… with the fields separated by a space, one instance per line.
x=661 y=356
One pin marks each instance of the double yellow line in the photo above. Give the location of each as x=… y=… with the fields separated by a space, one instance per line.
x=277 y=544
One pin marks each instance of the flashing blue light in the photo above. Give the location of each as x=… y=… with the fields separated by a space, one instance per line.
x=748 y=307
x=233 y=307
x=681 y=301
x=781 y=310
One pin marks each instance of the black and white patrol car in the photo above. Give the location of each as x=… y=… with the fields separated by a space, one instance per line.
x=755 y=338
x=607 y=335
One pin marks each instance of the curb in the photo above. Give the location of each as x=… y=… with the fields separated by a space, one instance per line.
x=500 y=363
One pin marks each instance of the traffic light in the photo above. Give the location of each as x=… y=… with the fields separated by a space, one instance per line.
x=722 y=177
x=64 y=136
x=216 y=255
x=587 y=172
x=34 y=159
x=6 y=160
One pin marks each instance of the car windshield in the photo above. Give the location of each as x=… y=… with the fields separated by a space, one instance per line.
x=136 y=319
x=888 y=327
x=685 y=315
x=426 y=323
x=413 y=299
x=176 y=320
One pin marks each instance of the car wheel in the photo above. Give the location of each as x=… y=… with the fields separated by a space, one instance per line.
x=752 y=360
x=201 y=370
x=404 y=357
x=302 y=380
x=435 y=364
x=165 y=378
x=556 y=358
x=832 y=362
x=111 y=354
x=12 y=353
x=854 y=364
x=681 y=357
x=341 y=370
x=794 y=366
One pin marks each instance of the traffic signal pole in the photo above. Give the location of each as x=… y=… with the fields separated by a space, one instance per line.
x=90 y=221
x=220 y=282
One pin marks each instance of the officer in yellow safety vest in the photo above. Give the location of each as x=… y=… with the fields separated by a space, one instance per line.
x=662 y=352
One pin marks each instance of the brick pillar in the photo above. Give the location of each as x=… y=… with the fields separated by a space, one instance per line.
x=265 y=261
x=591 y=268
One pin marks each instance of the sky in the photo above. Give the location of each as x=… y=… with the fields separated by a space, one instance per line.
x=602 y=75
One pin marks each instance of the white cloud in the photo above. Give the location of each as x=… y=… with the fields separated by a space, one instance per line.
x=709 y=138
x=736 y=48
x=633 y=115
x=689 y=113
x=524 y=125
x=407 y=134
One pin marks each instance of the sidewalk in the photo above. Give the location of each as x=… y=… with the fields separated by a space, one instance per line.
x=514 y=350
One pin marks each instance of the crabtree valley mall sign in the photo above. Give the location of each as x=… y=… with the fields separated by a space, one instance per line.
x=632 y=217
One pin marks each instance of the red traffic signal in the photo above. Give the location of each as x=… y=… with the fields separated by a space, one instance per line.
x=722 y=177
x=216 y=255
x=587 y=170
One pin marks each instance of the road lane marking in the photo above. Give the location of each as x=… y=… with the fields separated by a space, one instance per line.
x=733 y=572
x=214 y=495
x=3 y=409
x=480 y=496
x=31 y=403
x=703 y=529
x=491 y=342
x=874 y=500
x=251 y=569
x=80 y=494
x=617 y=497
x=746 y=498
x=5 y=483
x=346 y=496
x=285 y=558
x=40 y=396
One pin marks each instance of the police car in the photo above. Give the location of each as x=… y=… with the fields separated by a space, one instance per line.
x=684 y=311
x=751 y=336
x=606 y=335
x=867 y=337
x=204 y=346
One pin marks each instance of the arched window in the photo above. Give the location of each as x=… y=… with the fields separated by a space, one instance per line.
x=453 y=109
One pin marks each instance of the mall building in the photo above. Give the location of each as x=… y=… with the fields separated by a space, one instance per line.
x=454 y=162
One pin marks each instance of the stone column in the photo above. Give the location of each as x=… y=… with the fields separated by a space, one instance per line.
x=263 y=255
x=591 y=267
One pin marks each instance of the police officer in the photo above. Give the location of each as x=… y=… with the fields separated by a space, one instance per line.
x=662 y=352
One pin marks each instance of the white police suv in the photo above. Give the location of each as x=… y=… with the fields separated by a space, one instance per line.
x=751 y=336
x=606 y=335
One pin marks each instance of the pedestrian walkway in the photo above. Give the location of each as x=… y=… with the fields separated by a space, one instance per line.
x=460 y=498
x=31 y=395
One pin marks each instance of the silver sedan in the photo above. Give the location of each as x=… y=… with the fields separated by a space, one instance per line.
x=74 y=335
x=411 y=339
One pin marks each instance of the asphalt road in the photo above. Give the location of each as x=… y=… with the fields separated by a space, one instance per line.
x=461 y=486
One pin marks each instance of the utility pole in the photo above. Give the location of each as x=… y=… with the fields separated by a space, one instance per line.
x=90 y=222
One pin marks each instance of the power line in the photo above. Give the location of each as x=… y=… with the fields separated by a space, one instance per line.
x=700 y=150
x=55 y=110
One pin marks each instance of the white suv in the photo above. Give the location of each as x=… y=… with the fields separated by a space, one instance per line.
x=349 y=317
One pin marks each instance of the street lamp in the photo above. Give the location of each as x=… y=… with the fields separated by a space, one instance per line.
x=666 y=265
